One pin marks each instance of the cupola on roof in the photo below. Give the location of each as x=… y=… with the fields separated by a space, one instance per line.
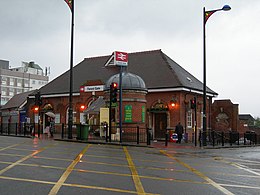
x=129 y=82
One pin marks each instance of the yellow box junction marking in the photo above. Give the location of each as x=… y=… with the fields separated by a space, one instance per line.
x=135 y=176
x=65 y=175
x=22 y=160
x=225 y=191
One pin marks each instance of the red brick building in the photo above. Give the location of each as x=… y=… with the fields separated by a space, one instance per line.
x=165 y=81
x=224 y=116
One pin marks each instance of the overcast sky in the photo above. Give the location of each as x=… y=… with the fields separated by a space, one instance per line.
x=39 y=31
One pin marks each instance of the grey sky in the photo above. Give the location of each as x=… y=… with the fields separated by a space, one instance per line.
x=39 y=30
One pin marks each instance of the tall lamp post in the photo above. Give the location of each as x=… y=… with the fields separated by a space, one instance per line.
x=206 y=15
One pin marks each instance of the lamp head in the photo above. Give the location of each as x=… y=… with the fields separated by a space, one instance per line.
x=226 y=8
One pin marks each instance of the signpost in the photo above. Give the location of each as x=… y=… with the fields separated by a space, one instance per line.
x=120 y=59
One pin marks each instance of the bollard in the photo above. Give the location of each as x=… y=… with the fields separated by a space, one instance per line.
x=62 y=131
x=238 y=138
x=8 y=128
x=230 y=138
x=39 y=131
x=16 y=126
x=148 y=136
x=24 y=129
x=200 y=138
x=80 y=132
x=138 y=134
x=213 y=138
x=222 y=138
x=166 y=138
x=33 y=130
x=106 y=129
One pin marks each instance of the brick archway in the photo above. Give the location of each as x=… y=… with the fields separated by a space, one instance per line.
x=158 y=115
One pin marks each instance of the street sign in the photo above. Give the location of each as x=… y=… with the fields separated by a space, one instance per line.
x=92 y=88
x=121 y=58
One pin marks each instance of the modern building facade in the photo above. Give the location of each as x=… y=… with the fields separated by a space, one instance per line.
x=21 y=79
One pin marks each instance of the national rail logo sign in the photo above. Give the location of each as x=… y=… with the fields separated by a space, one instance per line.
x=121 y=58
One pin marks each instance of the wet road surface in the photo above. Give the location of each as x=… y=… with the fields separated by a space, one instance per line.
x=33 y=166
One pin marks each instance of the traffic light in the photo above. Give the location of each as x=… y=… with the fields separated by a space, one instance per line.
x=113 y=92
x=38 y=99
x=193 y=103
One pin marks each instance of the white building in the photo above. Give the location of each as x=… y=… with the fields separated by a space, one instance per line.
x=28 y=77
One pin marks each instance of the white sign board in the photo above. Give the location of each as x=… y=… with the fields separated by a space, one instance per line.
x=94 y=88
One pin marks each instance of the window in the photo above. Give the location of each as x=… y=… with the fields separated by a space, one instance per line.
x=189 y=119
x=11 y=91
x=4 y=80
x=19 y=82
x=11 y=81
x=3 y=91
x=19 y=91
x=26 y=83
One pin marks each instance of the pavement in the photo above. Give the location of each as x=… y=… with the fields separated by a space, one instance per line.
x=154 y=143
x=161 y=144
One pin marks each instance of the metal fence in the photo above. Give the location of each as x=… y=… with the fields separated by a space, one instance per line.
x=23 y=129
x=81 y=132
x=218 y=138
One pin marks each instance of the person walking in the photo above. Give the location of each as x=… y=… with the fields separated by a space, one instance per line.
x=179 y=132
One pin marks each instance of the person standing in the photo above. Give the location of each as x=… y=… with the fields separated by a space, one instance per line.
x=46 y=130
x=52 y=127
x=179 y=132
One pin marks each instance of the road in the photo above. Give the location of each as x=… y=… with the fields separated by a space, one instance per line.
x=33 y=166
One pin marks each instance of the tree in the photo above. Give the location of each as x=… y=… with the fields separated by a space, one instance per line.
x=257 y=122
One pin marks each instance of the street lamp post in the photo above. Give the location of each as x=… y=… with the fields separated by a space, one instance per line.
x=70 y=118
x=206 y=15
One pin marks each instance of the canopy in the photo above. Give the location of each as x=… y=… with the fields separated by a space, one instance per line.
x=94 y=108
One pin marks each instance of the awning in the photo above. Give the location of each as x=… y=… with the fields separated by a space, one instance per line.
x=94 y=108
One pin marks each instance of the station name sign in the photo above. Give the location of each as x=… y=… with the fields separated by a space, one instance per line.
x=121 y=58
x=94 y=88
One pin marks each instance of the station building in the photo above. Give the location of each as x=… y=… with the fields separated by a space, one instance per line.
x=156 y=93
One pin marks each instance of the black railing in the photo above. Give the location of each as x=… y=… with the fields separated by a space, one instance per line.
x=233 y=138
x=101 y=133
x=16 y=129
x=82 y=132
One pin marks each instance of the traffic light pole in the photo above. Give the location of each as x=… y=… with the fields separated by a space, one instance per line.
x=39 y=120
x=38 y=102
x=110 y=113
x=120 y=102
x=195 y=110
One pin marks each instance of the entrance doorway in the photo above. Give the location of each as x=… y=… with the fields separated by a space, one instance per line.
x=160 y=125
